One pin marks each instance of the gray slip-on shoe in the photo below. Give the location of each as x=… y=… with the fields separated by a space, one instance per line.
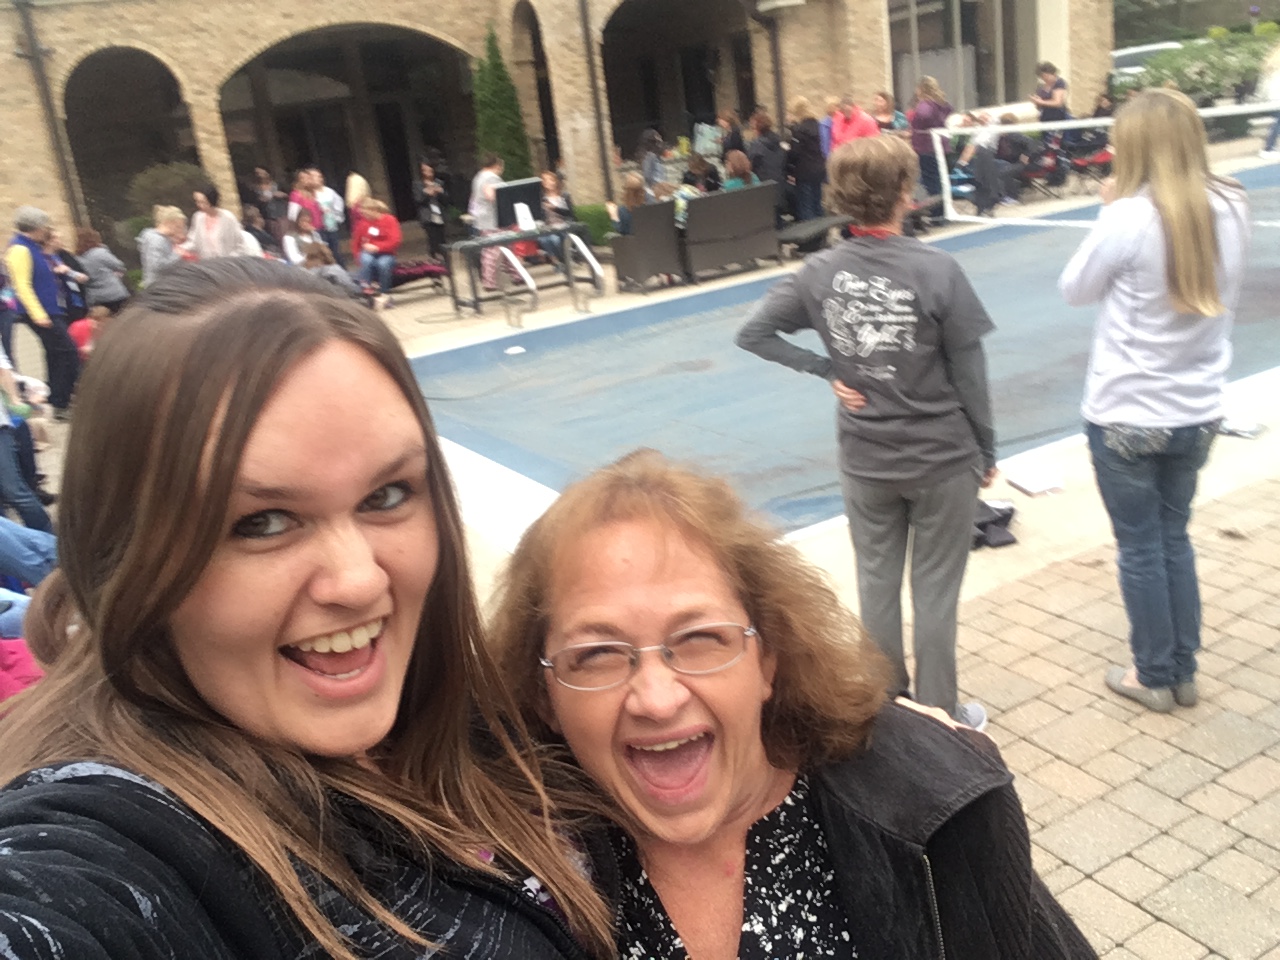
x=1186 y=694
x=1159 y=700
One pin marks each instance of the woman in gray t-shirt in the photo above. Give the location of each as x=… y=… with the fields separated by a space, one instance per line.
x=903 y=334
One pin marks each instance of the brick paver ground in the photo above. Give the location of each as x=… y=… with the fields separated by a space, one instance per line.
x=1160 y=833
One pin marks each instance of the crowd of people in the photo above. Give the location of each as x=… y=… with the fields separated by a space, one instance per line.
x=294 y=735
x=283 y=226
x=796 y=161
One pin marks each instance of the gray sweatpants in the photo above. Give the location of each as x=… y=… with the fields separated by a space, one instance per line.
x=937 y=520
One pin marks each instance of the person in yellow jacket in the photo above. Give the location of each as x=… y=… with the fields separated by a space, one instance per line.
x=41 y=303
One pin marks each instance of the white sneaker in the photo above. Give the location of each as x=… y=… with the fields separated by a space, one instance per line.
x=1269 y=154
x=972 y=715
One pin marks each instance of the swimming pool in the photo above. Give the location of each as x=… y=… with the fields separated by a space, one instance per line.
x=667 y=375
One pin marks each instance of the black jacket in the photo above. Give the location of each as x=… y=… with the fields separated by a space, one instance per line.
x=806 y=162
x=768 y=158
x=101 y=864
x=930 y=850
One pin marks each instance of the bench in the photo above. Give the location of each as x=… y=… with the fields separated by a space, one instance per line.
x=731 y=227
x=651 y=249
x=807 y=236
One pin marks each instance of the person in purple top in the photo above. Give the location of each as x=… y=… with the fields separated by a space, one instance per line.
x=931 y=110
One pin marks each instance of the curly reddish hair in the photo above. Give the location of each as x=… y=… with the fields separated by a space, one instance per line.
x=830 y=679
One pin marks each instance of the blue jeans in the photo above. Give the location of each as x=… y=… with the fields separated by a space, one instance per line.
x=24 y=449
x=13 y=613
x=1147 y=483
x=1273 y=136
x=808 y=199
x=931 y=180
x=380 y=263
x=333 y=240
x=13 y=488
x=25 y=553
x=7 y=319
x=61 y=358
x=553 y=247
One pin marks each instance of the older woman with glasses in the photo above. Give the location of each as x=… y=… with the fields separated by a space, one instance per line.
x=767 y=801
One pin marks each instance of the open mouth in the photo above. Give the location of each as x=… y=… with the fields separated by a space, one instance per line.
x=673 y=765
x=343 y=655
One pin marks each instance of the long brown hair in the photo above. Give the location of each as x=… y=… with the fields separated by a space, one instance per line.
x=830 y=680
x=163 y=415
x=1161 y=146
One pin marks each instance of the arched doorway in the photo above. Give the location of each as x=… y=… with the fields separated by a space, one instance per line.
x=670 y=64
x=369 y=98
x=533 y=83
x=125 y=112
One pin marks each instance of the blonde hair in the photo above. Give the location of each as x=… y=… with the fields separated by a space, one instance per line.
x=373 y=208
x=358 y=190
x=633 y=191
x=928 y=89
x=868 y=177
x=832 y=104
x=161 y=214
x=1160 y=145
x=802 y=109
x=830 y=679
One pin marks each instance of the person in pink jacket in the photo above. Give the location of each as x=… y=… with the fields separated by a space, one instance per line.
x=18 y=668
x=851 y=122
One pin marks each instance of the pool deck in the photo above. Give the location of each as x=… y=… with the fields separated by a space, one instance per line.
x=1159 y=833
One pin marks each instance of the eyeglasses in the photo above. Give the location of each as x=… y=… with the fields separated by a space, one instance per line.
x=694 y=651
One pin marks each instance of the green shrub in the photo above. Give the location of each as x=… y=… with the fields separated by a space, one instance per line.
x=170 y=184
x=134 y=225
x=133 y=280
x=499 y=122
x=1218 y=33
x=1208 y=70
x=1267 y=28
x=597 y=219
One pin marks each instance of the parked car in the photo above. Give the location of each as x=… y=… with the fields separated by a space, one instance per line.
x=1129 y=61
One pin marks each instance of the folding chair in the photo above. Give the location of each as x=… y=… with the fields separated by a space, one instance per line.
x=1047 y=171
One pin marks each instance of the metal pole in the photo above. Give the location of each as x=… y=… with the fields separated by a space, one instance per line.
x=775 y=53
x=606 y=156
x=999 y=45
x=773 y=28
x=913 y=15
x=36 y=53
x=957 y=54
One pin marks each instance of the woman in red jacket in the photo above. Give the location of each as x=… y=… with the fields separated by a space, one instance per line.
x=376 y=238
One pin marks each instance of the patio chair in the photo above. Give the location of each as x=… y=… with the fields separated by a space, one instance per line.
x=731 y=227
x=651 y=249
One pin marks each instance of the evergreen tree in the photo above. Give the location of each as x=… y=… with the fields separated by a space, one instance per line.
x=499 y=122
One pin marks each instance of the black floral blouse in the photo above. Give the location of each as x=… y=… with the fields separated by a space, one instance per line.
x=791 y=907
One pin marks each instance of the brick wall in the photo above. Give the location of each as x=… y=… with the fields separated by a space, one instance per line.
x=828 y=47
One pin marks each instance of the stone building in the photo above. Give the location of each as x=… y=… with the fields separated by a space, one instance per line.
x=98 y=90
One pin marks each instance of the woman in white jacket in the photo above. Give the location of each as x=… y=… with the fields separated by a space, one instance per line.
x=1165 y=261
x=1271 y=90
x=214 y=232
